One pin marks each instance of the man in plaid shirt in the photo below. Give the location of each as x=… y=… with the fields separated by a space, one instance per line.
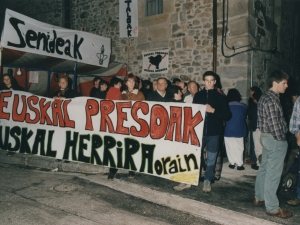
x=295 y=129
x=273 y=127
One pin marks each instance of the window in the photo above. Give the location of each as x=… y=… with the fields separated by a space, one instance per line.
x=154 y=7
x=67 y=14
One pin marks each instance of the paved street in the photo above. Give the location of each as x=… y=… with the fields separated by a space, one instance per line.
x=31 y=196
x=147 y=199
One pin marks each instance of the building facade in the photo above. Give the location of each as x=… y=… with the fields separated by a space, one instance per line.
x=254 y=37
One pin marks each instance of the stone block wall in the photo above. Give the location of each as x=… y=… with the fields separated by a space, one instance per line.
x=185 y=28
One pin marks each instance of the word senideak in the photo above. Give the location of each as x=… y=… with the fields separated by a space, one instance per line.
x=85 y=148
x=56 y=45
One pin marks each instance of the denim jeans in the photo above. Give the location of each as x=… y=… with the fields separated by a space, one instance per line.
x=252 y=152
x=212 y=147
x=298 y=183
x=269 y=173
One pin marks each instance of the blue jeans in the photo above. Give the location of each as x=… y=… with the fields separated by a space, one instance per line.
x=252 y=152
x=212 y=147
x=270 y=171
x=298 y=183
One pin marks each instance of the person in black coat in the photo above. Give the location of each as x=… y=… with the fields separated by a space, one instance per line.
x=176 y=92
x=217 y=112
x=103 y=89
x=95 y=90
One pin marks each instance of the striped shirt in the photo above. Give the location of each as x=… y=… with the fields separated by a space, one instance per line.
x=270 y=117
x=295 y=118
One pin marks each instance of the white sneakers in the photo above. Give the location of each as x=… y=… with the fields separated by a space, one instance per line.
x=206 y=186
x=182 y=186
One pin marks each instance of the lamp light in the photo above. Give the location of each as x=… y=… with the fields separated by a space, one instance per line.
x=19 y=73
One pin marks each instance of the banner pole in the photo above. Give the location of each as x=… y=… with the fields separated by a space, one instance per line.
x=75 y=77
x=48 y=83
x=1 y=67
x=128 y=45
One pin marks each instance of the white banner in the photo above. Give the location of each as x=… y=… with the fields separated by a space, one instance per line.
x=156 y=61
x=34 y=77
x=157 y=138
x=128 y=18
x=28 y=35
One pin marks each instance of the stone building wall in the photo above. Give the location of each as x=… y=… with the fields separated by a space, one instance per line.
x=185 y=28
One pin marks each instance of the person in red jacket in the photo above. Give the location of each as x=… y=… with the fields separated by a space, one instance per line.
x=114 y=91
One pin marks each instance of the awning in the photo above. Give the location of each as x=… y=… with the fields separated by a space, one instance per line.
x=35 y=46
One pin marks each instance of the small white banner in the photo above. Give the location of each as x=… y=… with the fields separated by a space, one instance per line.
x=128 y=18
x=34 y=77
x=156 y=61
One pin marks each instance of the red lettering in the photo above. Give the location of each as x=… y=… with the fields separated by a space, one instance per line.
x=106 y=107
x=189 y=126
x=144 y=131
x=16 y=116
x=43 y=111
x=3 y=104
x=91 y=109
x=68 y=122
x=57 y=113
x=175 y=119
x=120 y=129
x=34 y=100
x=157 y=130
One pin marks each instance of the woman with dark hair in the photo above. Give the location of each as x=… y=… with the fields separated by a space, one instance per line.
x=130 y=89
x=104 y=85
x=10 y=83
x=235 y=130
x=175 y=93
x=95 y=90
x=130 y=92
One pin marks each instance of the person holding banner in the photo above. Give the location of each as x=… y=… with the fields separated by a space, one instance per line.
x=154 y=85
x=114 y=90
x=130 y=89
x=130 y=92
x=175 y=91
x=193 y=89
x=160 y=95
x=10 y=83
x=65 y=91
x=217 y=111
x=95 y=92
x=103 y=89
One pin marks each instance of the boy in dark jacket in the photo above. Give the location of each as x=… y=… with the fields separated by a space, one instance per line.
x=217 y=111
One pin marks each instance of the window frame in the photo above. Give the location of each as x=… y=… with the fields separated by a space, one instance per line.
x=158 y=7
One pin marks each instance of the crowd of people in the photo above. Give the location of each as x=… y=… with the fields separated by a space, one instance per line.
x=225 y=125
